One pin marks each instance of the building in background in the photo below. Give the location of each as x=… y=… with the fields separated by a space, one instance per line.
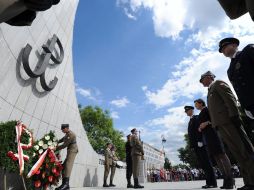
x=154 y=158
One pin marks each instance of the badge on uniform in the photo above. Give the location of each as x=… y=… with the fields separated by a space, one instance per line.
x=237 y=66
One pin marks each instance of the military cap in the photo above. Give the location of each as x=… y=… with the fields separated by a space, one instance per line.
x=133 y=130
x=187 y=108
x=208 y=73
x=227 y=41
x=63 y=126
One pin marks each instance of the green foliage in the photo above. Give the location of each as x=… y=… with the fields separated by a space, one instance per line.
x=167 y=164
x=187 y=155
x=8 y=143
x=99 y=127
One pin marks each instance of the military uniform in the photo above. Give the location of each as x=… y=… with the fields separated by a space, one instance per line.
x=224 y=114
x=113 y=167
x=237 y=8
x=107 y=165
x=136 y=153
x=69 y=141
x=240 y=74
x=128 y=162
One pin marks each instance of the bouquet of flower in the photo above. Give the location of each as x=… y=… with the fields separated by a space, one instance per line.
x=47 y=164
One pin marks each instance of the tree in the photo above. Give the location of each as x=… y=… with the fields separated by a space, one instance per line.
x=187 y=155
x=100 y=131
x=167 y=164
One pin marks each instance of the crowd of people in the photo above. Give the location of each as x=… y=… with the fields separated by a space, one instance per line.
x=220 y=121
x=185 y=174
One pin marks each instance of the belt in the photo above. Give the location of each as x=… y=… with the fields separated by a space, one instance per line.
x=73 y=142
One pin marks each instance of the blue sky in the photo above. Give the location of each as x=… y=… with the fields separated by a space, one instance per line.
x=141 y=59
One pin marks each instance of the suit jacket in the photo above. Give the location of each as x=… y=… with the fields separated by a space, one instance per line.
x=194 y=135
x=136 y=146
x=221 y=103
x=69 y=141
x=108 y=157
x=240 y=74
x=237 y=8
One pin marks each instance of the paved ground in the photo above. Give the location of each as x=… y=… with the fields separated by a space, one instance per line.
x=196 y=185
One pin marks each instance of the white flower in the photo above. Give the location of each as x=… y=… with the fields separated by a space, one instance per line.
x=40 y=143
x=54 y=139
x=47 y=137
x=36 y=147
x=40 y=151
x=51 y=147
x=34 y=154
x=55 y=144
x=45 y=146
x=50 y=143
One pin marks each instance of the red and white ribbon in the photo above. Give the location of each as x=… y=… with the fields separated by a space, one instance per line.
x=21 y=128
x=38 y=164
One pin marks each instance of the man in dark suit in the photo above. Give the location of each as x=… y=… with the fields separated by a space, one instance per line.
x=196 y=143
x=237 y=8
x=225 y=117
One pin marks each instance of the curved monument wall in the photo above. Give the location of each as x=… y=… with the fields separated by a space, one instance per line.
x=23 y=98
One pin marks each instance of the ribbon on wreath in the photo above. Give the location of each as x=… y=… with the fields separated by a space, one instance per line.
x=20 y=129
x=38 y=164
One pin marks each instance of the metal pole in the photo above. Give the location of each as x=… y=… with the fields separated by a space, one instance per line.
x=5 y=183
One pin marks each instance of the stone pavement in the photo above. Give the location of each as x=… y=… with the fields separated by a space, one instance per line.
x=196 y=185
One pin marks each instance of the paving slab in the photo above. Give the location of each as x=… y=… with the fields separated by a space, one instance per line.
x=184 y=185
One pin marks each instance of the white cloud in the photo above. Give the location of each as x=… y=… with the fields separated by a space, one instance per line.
x=115 y=115
x=120 y=103
x=206 y=24
x=91 y=94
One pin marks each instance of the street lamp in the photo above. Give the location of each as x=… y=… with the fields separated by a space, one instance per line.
x=163 y=141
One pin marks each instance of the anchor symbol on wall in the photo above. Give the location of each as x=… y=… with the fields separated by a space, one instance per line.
x=49 y=53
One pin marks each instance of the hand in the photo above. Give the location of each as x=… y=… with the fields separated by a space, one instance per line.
x=203 y=125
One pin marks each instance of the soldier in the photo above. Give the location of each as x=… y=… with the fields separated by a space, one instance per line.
x=136 y=153
x=113 y=166
x=237 y=8
x=128 y=162
x=69 y=141
x=108 y=163
x=197 y=143
x=240 y=71
x=225 y=117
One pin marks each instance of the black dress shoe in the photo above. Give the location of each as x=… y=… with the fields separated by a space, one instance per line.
x=209 y=186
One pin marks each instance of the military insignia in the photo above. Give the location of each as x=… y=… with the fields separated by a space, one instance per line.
x=237 y=66
x=223 y=84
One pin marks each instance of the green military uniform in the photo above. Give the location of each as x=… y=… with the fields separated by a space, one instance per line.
x=69 y=141
x=224 y=114
x=113 y=166
x=108 y=163
x=136 y=152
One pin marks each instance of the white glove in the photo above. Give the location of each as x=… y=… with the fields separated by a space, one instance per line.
x=200 y=144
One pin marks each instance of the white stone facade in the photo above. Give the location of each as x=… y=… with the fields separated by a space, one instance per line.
x=20 y=96
x=154 y=158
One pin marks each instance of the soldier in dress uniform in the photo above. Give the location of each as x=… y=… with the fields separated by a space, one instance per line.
x=199 y=147
x=69 y=142
x=136 y=153
x=237 y=8
x=113 y=166
x=240 y=71
x=128 y=162
x=108 y=163
x=225 y=117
